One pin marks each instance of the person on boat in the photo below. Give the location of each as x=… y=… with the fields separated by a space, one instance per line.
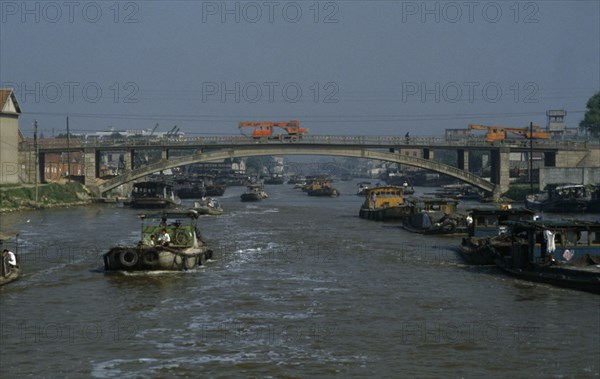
x=163 y=222
x=407 y=136
x=12 y=258
x=164 y=238
x=152 y=240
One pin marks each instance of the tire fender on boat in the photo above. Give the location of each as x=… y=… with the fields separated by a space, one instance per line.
x=150 y=258
x=128 y=258
x=178 y=260
x=189 y=263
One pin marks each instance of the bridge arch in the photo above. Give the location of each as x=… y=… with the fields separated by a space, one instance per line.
x=297 y=149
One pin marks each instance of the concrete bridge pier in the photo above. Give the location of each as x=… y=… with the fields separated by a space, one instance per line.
x=128 y=159
x=500 y=170
x=91 y=166
x=463 y=159
x=428 y=154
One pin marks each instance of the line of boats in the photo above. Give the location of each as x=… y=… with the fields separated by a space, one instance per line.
x=160 y=194
x=315 y=186
x=569 y=198
x=562 y=253
x=426 y=215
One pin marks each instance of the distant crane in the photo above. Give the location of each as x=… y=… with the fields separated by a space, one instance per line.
x=153 y=130
x=173 y=132
x=264 y=130
x=500 y=133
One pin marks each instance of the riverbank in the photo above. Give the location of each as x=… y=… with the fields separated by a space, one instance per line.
x=53 y=195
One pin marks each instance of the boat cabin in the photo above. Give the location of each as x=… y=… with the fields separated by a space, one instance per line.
x=180 y=225
x=557 y=241
x=572 y=191
x=384 y=197
x=320 y=183
x=151 y=189
x=432 y=205
x=485 y=222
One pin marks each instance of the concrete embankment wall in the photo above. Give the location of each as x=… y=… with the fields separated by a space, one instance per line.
x=569 y=175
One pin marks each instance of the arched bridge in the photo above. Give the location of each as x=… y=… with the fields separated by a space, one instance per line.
x=297 y=149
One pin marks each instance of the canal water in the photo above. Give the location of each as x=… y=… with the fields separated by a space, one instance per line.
x=299 y=287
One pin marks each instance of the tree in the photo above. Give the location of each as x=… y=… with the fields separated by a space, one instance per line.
x=591 y=120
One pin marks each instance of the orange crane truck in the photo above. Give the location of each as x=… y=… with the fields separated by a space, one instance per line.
x=265 y=130
x=500 y=133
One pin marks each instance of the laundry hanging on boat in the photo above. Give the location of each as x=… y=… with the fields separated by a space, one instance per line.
x=549 y=238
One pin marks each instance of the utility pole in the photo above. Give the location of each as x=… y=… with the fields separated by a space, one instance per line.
x=531 y=157
x=68 y=152
x=37 y=155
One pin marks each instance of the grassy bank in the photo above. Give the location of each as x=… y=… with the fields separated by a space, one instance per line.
x=49 y=196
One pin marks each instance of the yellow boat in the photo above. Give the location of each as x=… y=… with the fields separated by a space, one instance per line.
x=385 y=203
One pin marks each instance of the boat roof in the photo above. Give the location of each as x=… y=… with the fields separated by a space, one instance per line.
x=500 y=211
x=433 y=200
x=568 y=186
x=191 y=214
x=372 y=189
x=150 y=184
x=553 y=224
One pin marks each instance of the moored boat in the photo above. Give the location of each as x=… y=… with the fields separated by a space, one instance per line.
x=153 y=194
x=185 y=251
x=485 y=232
x=10 y=265
x=574 y=198
x=384 y=203
x=560 y=253
x=398 y=179
x=434 y=216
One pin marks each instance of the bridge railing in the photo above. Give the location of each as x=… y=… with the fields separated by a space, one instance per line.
x=383 y=141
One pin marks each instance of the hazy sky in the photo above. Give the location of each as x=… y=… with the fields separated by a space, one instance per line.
x=340 y=67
